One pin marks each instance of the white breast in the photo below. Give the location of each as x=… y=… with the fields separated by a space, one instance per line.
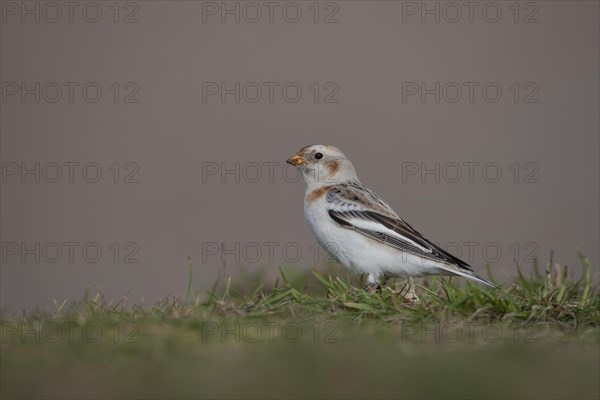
x=348 y=247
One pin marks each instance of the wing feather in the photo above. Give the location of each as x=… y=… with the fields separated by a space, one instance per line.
x=358 y=208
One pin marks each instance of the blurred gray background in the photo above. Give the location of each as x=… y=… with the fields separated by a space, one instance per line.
x=211 y=170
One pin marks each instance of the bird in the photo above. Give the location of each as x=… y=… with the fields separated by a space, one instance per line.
x=360 y=230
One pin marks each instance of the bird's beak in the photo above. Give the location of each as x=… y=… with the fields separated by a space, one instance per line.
x=296 y=160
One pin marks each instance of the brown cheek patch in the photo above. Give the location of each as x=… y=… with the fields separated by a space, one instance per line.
x=333 y=168
x=317 y=194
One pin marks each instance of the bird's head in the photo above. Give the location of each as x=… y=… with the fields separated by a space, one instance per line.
x=323 y=165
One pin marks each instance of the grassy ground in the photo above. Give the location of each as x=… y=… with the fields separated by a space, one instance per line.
x=316 y=336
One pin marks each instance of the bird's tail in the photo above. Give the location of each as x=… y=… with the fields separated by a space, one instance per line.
x=471 y=275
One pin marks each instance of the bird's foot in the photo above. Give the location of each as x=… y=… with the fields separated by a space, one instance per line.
x=373 y=284
x=408 y=292
x=372 y=287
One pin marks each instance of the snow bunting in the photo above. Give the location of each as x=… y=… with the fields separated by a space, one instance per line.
x=357 y=228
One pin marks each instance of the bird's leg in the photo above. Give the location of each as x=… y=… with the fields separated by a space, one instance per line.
x=372 y=284
x=385 y=280
x=410 y=295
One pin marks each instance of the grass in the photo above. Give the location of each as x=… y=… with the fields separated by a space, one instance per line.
x=316 y=335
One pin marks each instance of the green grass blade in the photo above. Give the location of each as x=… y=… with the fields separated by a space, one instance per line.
x=588 y=280
x=189 y=284
x=563 y=286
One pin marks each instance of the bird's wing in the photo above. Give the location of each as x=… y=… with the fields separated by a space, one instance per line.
x=355 y=207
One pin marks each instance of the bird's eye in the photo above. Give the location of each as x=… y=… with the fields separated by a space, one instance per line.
x=318 y=156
